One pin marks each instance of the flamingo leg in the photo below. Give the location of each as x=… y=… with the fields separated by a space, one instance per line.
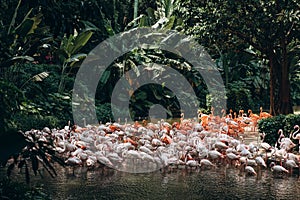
x=266 y=158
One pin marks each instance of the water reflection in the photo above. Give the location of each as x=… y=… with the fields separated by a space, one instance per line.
x=221 y=183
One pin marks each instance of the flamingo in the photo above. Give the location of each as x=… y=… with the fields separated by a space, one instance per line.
x=156 y=142
x=260 y=161
x=60 y=149
x=281 y=135
x=220 y=145
x=59 y=142
x=104 y=160
x=254 y=118
x=232 y=157
x=292 y=156
x=76 y=152
x=278 y=168
x=264 y=114
x=192 y=163
x=204 y=119
x=231 y=150
x=132 y=154
x=114 y=157
x=296 y=135
x=284 y=142
x=74 y=161
x=174 y=161
x=214 y=154
x=290 y=164
x=266 y=146
x=166 y=139
x=91 y=161
x=249 y=170
x=81 y=144
x=246 y=165
x=281 y=154
x=188 y=145
x=206 y=163
x=251 y=162
x=146 y=150
x=146 y=157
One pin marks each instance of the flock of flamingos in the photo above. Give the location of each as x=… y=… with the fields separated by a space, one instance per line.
x=204 y=143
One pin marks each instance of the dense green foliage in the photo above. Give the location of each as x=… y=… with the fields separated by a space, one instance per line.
x=44 y=42
x=270 y=126
x=263 y=29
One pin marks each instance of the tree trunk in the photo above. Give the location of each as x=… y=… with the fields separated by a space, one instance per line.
x=279 y=63
x=285 y=104
x=273 y=82
x=280 y=97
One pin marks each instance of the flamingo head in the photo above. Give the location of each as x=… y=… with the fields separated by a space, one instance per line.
x=280 y=131
x=272 y=164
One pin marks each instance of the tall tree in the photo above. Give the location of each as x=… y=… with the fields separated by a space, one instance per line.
x=271 y=28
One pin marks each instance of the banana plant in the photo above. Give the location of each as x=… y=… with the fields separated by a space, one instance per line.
x=17 y=39
x=163 y=18
x=69 y=51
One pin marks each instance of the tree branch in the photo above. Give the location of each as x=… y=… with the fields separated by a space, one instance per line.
x=247 y=39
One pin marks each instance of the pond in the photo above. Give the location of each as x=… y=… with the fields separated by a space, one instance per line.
x=216 y=183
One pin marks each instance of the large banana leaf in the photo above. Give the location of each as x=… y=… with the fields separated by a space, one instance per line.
x=28 y=25
x=72 y=44
x=80 y=41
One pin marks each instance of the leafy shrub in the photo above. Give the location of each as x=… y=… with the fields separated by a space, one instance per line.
x=290 y=121
x=27 y=122
x=270 y=126
x=14 y=190
x=104 y=113
x=9 y=100
x=239 y=96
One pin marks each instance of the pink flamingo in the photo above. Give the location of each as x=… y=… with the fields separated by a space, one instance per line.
x=296 y=135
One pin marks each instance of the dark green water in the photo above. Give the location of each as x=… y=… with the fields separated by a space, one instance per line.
x=220 y=183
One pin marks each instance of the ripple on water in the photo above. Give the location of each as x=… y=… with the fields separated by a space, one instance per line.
x=220 y=183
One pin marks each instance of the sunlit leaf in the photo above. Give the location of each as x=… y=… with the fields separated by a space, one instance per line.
x=39 y=77
x=105 y=76
x=80 y=41
x=29 y=58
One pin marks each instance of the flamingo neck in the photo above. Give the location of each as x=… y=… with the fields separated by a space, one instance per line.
x=296 y=132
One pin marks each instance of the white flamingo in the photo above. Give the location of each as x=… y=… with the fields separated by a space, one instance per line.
x=290 y=164
x=249 y=170
x=296 y=135
x=278 y=168
x=265 y=146
x=206 y=163
x=146 y=157
x=192 y=163
x=104 y=160
x=281 y=154
x=284 y=142
x=232 y=157
x=260 y=161
x=74 y=161
x=214 y=154
x=91 y=161
x=251 y=162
